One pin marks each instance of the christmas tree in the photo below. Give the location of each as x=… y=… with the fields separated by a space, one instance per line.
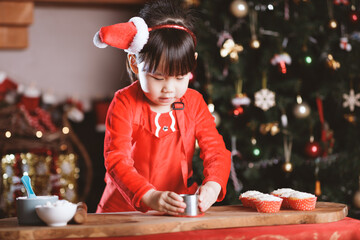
x=282 y=80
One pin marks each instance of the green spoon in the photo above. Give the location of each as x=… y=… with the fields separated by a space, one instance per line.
x=27 y=183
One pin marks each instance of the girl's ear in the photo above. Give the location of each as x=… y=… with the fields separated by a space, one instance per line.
x=133 y=63
x=196 y=55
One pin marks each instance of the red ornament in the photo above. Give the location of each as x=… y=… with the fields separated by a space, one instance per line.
x=313 y=149
x=354 y=16
x=339 y=2
x=238 y=111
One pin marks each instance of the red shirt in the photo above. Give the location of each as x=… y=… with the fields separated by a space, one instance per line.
x=144 y=150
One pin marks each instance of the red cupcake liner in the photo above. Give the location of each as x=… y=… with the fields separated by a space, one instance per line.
x=306 y=204
x=245 y=201
x=285 y=204
x=248 y=202
x=268 y=206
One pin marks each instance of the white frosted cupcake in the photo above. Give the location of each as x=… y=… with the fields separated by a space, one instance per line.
x=283 y=193
x=247 y=198
x=302 y=201
x=280 y=191
x=267 y=203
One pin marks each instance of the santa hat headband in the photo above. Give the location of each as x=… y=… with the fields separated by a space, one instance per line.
x=132 y=35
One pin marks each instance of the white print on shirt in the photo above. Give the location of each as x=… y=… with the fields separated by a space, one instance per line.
x=165 y=128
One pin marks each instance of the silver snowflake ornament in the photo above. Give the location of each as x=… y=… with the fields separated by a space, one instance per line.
x=351 y=100
x=264 y=99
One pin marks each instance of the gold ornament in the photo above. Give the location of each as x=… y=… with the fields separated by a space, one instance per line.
x=232 y=49
x=239 y=8
x=272 y=128
x=351 y=118
x=330 y=61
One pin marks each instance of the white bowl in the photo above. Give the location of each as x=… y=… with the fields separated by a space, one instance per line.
x=56 y=214
x=25 y=209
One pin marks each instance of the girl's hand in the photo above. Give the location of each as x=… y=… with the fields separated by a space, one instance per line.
x=209 y=193
x=164 y=201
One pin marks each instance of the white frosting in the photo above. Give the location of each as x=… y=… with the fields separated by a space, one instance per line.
x=282 y=190
x=301 y=195
x=287 y=194
x=250 y=193
x=268 y=197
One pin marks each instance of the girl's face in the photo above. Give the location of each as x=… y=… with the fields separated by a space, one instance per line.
x=162 y=90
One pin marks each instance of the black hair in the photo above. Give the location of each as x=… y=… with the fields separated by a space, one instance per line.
x=176 y=48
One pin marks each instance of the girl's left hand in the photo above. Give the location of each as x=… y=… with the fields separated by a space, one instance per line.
x=209 y=193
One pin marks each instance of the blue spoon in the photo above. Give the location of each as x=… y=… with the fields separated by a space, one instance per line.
x=27 y=183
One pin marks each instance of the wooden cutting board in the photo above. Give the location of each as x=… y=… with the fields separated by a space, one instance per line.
x=136 y=223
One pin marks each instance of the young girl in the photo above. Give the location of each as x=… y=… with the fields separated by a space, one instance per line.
x=152 y=125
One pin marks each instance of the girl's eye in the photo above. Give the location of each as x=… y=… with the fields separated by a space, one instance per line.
x=180 y=78
x=157 y=77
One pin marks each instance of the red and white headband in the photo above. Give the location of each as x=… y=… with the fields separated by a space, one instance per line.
x=130 y=36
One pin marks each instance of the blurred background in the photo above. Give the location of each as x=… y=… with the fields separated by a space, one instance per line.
x=280 y=77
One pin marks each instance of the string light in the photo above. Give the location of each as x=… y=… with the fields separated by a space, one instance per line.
x=238 y=111
x=255 y=43
x=308 y=59
x=314 y=149
x=256 y=151
x=333 y=24
x=211 y=107
x=65 y=130
x=39 y=134
x=8 y=134
x=354 y=17
x=287 y=167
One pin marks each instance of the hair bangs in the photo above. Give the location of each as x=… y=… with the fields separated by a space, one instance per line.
x=169 y=51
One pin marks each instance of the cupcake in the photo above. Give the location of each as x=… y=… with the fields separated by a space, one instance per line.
x=283 y=193
x=302 y=201
x=247 y=198
x=280 y=191
x=267 y=203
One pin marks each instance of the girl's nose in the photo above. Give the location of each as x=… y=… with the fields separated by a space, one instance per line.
x=168 y=87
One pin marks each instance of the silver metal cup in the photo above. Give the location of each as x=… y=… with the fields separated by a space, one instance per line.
x=192 y=207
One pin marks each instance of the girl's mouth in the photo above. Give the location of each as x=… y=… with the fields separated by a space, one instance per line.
x=166 y=100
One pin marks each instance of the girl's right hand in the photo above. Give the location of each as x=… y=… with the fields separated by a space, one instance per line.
x=164 y=201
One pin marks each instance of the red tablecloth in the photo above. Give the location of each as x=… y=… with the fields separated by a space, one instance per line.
x=347 y=228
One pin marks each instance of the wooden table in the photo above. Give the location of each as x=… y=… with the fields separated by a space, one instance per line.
x=132 y=224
